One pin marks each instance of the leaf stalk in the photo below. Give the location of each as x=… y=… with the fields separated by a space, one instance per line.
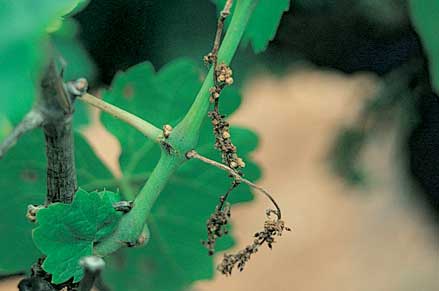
x=146 y=128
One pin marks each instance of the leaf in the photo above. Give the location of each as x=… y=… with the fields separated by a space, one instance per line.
x=174 y=257
x=177 y=223
x=5 y=127
x=263 y=23
x=67 y=232
x=27 y=168
x=23 y=46
x=425 y=16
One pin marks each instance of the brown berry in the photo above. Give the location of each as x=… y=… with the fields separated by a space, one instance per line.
x=240 y=163
x=167 y=129
x=226 y=134
x=221 y=78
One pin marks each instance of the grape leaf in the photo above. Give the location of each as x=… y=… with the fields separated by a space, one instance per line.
x=425 y=15
x=263 y=23
x=174 y=256
x=67 y=232
x=27 y=168
x=24 y=25
x=5 y=127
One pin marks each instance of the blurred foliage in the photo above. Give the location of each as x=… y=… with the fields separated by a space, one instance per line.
x=398 y=90
x=5 y=127
x=425 y=15
x=345 y=35
x=379 y=12
x=138 y=33
x=348 y=38
x=23 y=45
x=346 y=153
x=77 y=61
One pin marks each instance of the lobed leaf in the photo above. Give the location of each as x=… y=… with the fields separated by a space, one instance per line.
x=67 y=232
x=23 y=181
x=5 y=127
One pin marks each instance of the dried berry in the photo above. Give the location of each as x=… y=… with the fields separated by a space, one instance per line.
x=209 y=58
x=223 y=75
x=217 y=224
x=223 y=141
x=272 y=227
x=226 y=134
x=167 y=129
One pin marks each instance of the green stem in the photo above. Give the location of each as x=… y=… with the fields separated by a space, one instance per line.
x=191 y=124
x=132 y=224
x=183 y=139
x=146 y=128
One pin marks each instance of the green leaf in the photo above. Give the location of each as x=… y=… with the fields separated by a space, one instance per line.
x=425 y=17
x=174 y=256
x=263 y=23
x=23 y=182
x=24 y=26
x=67 y=232
x=5 y=127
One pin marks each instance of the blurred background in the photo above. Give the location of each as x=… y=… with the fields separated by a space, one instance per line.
x=349 y=130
